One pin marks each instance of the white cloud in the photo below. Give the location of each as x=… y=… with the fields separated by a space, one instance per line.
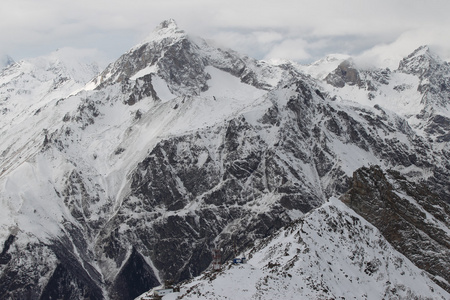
x=267 y=37
x=293 y=49
x=255 y=43
x=390 y=54
x=298 y=29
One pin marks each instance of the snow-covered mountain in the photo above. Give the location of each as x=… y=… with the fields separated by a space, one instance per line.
x=417 y=90
x=330 y=253
x=29 y=92
x=113 y=183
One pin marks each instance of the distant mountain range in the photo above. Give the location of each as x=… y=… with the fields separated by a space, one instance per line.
x=331 y=178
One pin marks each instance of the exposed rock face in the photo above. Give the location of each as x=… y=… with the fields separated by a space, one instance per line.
x=330 y=253
x=176 y=148
x=422 y=63
x=64 y=282
x=345 y=73
x=410 y=216
x=435 y=87
x=421 y=71
x=133 y=278
x=5 y=257
x=348 y=74
x=181 y=60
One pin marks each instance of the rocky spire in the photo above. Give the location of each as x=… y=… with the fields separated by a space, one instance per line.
x=167 y=24
x=420 y=62
x=166 y=29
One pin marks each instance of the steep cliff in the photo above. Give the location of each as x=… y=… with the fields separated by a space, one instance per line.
x=411 y=217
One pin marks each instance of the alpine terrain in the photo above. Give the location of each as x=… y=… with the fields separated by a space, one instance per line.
x=332 y=179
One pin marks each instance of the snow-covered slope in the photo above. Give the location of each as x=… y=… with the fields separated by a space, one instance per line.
x=417 y=90
x=330 y=253
x=321 y=68
x=30 y=106
x=111 y=187
x=409 y=215
x=76 y=153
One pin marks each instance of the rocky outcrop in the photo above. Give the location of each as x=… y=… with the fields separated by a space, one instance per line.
x=409 y=215
x=330 y=253
x=422 y=62
x=345 y=73
x=348 y=74
x=181 y=61
x=134 y=278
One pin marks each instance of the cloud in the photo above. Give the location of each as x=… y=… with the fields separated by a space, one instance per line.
x=255 y=43
x=293 y=49
x=390 y=54
x=299 y=30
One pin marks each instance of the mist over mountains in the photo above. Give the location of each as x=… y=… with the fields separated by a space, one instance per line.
x=115 y=180
x=6 y=61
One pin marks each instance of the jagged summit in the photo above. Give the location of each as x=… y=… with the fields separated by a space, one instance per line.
x=424 y=51
x=166 y=29
x=421 y=62
x=167 y=24
x=434 y=80
x=145 y=55
x=181 y=61
x=419 y=89
x=345 y=73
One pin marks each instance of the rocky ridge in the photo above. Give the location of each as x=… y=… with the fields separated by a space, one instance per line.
x=182 y=146
x=410 y=216
x=330 y=253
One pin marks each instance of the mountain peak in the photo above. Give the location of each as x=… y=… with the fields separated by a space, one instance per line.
x=420 y=61
x=145 y=54
x=166 y=24
x=165 y=29
x=424 y=49
x=345 y=73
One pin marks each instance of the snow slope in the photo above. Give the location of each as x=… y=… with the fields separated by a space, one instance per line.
x=29 y=90
x=330 y=253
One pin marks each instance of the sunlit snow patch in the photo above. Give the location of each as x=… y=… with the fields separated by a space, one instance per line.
x=223 y=84
x=145 y=71
x=161 y=89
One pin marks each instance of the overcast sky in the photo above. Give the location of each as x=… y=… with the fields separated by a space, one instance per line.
x=299 y=30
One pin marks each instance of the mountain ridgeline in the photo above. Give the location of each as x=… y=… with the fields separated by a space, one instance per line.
x=109 y=187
